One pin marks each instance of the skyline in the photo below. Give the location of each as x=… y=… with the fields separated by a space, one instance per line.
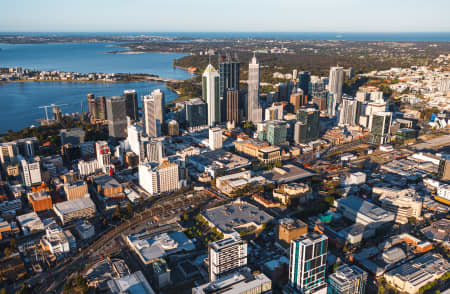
x=348 y=16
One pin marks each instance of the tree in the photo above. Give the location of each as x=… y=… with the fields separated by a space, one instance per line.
x=381 y=289
x=185 y=216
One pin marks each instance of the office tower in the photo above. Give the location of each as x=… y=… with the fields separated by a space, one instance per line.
x=160 y=104
x=101 y=108
x=232 y=97
x=276 y=132
x=117 y=116
x=8 y=152
x=210 y=89
x=304 y=77
x=380 y=128
x=152 y=124
x=134 y=133
x=321 y=103
x=196 y=113
x=374 y=107
x=347 y=280
x=350 y=111
x=283 y=92
x=297 y=99
x=254 y=110
x=275 y=112
x=331 y=104
x=31 y=171
x=131 y=101
x=336 y=79
x=308 y=130
x=317 y=88
x=154 y=151
x=444 y=167
x=229 y=73
x=173 y=128
x=28 y=147
x=92 y=105
x=307 y=263
x=103 y=154
x=226 y=256
x=215 y=138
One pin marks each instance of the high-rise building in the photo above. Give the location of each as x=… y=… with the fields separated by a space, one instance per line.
x=131 y=101
x=347 y=280
x=232 y=97
x=215 y=138
x=254 y=111
x=196 y=113
x=444 y=167
x=226 y=256
x=154 y=150
x=336 y=80
x=117 y=116
x=229 y=73
x=159 y=179
x=31 y=171
x=103 y=155
x=331 y=104
x=134 y=133
x=304 y=77
x=153 y=113
x=307 y=263
x=275 y=112
x=309 y=127
x=350 y=111
x=8 y=152
x=210 y=89
x=97 y=106
x=276 y=132
x=297 y=99
x=380 y=132
x=92 y=104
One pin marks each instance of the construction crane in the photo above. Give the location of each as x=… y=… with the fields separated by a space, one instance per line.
x=51 y=105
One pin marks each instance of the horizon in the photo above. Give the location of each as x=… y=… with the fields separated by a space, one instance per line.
x=235 y=16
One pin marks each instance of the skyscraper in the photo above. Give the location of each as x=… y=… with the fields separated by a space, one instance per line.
x=153 y=113
x=304 y=77
x=96 y=106
x=117 y=117
x=309 y=127
x=210 y=88
x=253 y=108
x=350 y=111
x=226 y=256
x=307 y=263
x=380 y=127
x=276 y=132
x=131 y=101
x=331 y=104
x=336 y=79
x=297 y=99
x=229 y=73
x=196 y=113
x=232 y=96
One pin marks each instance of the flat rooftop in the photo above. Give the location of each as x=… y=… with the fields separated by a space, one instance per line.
x=366 y=208
x=237 y=214
x=135 y=283
x=287 y=173
x=434 y=143
x=74 y=205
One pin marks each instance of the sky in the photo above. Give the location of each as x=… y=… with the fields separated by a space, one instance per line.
x=225 y=16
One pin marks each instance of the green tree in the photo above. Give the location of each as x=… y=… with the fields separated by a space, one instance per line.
x=381 y=289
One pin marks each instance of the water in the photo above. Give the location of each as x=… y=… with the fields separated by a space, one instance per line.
x=19 y=102
x=89 y=57
x=351 y=36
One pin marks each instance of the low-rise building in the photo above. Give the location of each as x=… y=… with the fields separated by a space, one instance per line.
x=347 y=280
x=70 y=210
x=287 y=193
x=30 y=223
x=40 y=201
x=229 y=184
x=269 y=155
x=76 y=190
x=290 y=229
x=238 y=283
x=135 y=283
x=404 y=204
x=58 y=241
x=415 y=274
x=85 y=230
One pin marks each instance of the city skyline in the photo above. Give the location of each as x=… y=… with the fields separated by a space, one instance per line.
x=140 y=15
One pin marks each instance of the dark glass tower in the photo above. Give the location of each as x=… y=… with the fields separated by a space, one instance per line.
x=229 y=78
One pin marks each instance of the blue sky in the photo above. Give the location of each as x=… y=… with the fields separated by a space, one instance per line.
x=225 y=16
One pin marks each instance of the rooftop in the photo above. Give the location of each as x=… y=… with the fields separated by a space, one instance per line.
x=74 y=205
x=135 y=283
x=287 y=173
x=237 y=214
x=374 y=212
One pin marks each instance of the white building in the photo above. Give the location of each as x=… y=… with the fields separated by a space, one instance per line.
x=336 y=80
x=85 y=230
x=153 y=113
x=215 y=138
x=31 y=172
x=226 y=256
x=90 y=167
x=253 y=108
x=211 y=94
x=30 y=222
x=134 y=132
x=160 y=179
x=357 y=178
x=135 y=283
x=58 y=241
x=80 y=208
x=103 y=155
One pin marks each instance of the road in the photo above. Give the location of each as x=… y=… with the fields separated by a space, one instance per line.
x=54 y=279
